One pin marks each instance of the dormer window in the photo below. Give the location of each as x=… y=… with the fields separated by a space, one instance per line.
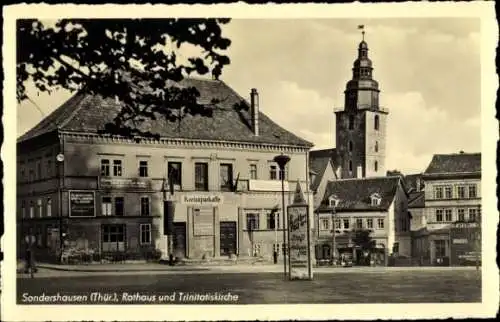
x=375 y=199
x=333 y=201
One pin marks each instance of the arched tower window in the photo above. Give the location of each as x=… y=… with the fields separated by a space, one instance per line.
x=377 y=125
x=351 y=122
x=376 y=146
x=375 y=166
x=350 y=146
x=350 y=166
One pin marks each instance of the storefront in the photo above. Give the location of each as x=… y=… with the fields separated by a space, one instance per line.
x=465 y=240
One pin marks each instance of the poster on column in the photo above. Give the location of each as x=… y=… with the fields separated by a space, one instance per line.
x=299 y=242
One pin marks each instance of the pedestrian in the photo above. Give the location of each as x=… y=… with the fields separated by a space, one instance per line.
x=29 y=255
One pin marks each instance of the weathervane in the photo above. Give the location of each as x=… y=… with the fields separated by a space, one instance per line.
x=362 y=27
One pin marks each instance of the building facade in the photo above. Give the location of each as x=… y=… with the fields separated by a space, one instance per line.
x=376 y=205
x=452 y=207
x=107 y=192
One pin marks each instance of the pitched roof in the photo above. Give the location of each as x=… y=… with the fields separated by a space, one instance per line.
x=318 y=162
x=355 y=194
x=454 y=163
x=416 y=199
x=413 y=181
x=89 y=114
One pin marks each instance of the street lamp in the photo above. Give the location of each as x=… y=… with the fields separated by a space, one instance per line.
x=282 y=160
x=334 y=246
x=60 y=162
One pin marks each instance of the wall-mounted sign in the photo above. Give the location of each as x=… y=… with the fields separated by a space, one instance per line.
x=465 y=244
x=202 y=200
x=267 y=185
x=299 y=242
x=124 y=183
x=203 y=221
x=81 y=204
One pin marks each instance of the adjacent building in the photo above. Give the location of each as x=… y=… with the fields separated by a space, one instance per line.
x=449 y=233
x=104 y=194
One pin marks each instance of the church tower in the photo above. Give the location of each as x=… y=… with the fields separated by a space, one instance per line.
x=361 y=125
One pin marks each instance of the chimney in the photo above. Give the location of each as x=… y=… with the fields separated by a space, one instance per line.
x=254 y=110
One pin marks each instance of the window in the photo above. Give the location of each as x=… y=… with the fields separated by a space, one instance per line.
x=119 y=207
x=472 y=191
x=113 y=237
x=337 y=224
x=226 y=177
x=117 y=168
x=461 y=192
x=253 y=171
x=376 y=123
x=375 y=166
x=351 y=122
x=325 y=224
x=273 y=172
x=440 y=248
x=145 y=206
x=256 y=249
x=461 y=214
x=350 y=166
x=201 y=176
x=395 y=248
x=106 y=206
x=376 y=146
x=39 y=208
x=438 y=192
x=49 y=207
x=105 y=168
x=380 y=223
x=23 y=209
x=333 y=201
x=375 y=199
x=175 y=174
x=439 y=215
x=346 y=223
x=448 y=215
x=143 y=169
x=369 y=223
x=145 y=230
x=448 y=192
x=472 y=214
x=359 y=223
x=351 y=147
x=273 y=220
x=252 y=221
x=32 y=209
x=49 y=168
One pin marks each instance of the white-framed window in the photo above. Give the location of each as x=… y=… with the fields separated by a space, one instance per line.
x=145 y=231
x=273 y=172
x=106 y=207
x=49 y=207
x=337 y=224
x=369 y=223
x=333 y=201
x=324 y=224
x=473 y=191
x=346 y=223
x=448 y=215
x=438 y=192
x=145 y=206
x=472 y=214
x=117 y=168
x=461 y=192
x=253 y=171
x=380 y=223
x=359 y=223
x=174 y=170
x=143 y=168
x=39 y=207
x=252 y=221
x=461 y=214
x=448 y=192
x=226 y=176
x=439 y=215
x=105 y=166
x=375 y=199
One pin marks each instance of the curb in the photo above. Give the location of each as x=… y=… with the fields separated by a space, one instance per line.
x=65 y=269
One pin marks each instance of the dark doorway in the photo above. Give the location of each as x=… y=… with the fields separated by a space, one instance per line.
x=180 y=239
x=227 y=238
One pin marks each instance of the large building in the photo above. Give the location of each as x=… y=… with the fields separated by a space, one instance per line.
x=450 y=227
x=107 y=192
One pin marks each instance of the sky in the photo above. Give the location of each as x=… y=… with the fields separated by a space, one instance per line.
x=428 y=71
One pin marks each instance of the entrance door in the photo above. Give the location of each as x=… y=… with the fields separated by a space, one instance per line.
x=227 y=238
x=180 y=239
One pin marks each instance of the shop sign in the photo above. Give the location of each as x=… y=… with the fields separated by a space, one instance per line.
x=81 y=204
x=202 y=200
x=124 y=183
x=299 y=243
x=465 y=243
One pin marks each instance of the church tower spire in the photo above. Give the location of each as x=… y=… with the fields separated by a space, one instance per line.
x=361 y=125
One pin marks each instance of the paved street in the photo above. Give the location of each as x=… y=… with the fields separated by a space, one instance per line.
x=355 y=285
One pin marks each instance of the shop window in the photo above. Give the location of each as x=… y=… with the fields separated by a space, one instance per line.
x=105 y=168
x=145 y=211
x=117 y=168
x=175 y=174
x=252 y=221
x=201 y=176
x=119 y=206
x=143 y=168
x=145 y=231
x=226 y=177
x=106 y=206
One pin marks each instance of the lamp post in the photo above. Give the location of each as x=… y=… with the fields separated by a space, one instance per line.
x=282 y=160
x=60 y=162
x=334 y=246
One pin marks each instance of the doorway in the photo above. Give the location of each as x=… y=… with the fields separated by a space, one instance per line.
x=179 y=239
x=227 y=238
